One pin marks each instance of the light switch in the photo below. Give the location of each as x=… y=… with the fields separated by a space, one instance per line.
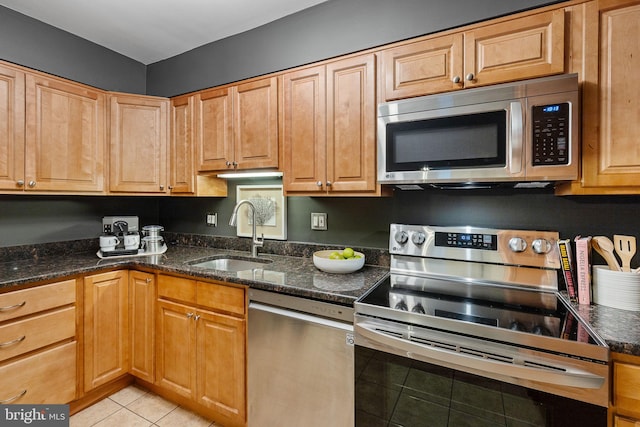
x=318 y=221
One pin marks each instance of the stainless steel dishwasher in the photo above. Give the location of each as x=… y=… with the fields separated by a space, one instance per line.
x=300 y=362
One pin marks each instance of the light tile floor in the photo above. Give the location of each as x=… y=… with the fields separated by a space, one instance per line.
x=134 y=406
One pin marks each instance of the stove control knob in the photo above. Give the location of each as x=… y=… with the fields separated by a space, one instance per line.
x=418 y=308
x=517 y=244
x=401 y=237
x=418 y=238
x=401 y=305
x=541 y=246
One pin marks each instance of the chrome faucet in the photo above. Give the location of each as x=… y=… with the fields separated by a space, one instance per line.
x=256 y=242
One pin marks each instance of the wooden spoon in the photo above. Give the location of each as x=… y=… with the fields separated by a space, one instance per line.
x=625 y=248
x=604 y=246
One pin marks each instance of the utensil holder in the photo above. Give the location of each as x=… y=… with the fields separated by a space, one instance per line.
x=616 y=289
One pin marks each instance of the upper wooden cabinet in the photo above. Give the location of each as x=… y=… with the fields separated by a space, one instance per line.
x=328 y=131
x=183 y=179
x=610 y=99
x=11 y=129
x=52 y=134
x=237 y=126
x=64 y=136
x=515 y=49
x=138 y=140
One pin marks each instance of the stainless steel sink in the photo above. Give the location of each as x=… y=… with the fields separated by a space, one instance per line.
x=230 y=263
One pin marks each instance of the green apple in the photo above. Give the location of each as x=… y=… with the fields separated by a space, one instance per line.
x=348 y=253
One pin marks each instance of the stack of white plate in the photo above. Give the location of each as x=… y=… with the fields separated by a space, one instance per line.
x=616 y=288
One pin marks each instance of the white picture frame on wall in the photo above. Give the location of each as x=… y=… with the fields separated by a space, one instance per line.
x=271 y=213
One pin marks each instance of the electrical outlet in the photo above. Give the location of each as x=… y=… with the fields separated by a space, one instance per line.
x=212 y=219
x=318 y=221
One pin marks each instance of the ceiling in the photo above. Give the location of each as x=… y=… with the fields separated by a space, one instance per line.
x=152 y=30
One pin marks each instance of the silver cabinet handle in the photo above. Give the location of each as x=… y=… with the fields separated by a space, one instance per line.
x=197 y=316
x=16 y=397
x=470 y=77
x=328 y=183
x=20 y=183
x=12 y=307
x=456 y=79
x=319 y=183
x=12 y=342
x=189 y=315
x=162 y=187
x=235 y=164
x=149 y=280
x=228 y=163
x=171 y=187
x=32 y=184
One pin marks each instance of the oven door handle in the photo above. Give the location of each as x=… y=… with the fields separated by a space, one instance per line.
x=567 y=376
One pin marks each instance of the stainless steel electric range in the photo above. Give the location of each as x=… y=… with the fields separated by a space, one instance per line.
x=470 y=329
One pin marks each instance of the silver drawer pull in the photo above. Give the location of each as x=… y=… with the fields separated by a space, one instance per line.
x=16 y=397
x=11 y=307
x=12 y=342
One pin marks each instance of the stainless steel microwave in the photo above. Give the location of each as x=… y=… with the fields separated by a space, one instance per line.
x=523 y=132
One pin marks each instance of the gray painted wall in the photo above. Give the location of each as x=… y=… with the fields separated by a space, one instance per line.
x=31 y=43
x=327 y=30
x=331 y=29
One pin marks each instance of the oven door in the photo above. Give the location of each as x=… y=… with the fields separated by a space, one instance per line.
x=470 y=143
x=435 y=379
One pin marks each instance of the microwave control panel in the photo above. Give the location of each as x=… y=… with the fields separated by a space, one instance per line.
x=550 y=126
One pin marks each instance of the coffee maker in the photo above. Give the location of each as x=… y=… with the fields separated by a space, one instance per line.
x=120 y=236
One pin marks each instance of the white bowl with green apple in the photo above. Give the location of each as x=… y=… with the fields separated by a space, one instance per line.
x=338 y=261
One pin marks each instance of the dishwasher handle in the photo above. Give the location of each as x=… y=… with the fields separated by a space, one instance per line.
x=304 y=317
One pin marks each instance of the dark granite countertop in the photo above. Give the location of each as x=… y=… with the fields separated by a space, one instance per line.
x=292 y=275
x=620 y=329
x=285 y=274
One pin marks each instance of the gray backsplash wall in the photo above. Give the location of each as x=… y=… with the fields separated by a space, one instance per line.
x=330 y=29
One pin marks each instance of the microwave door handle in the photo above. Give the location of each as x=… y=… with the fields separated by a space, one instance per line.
x=517 y=132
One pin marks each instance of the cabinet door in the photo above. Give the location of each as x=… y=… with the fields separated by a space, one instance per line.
x=522 y=48
x=421 y=68
x=181 y=161
x=304 y=130
x=612 y=101
x=255 y=124
x=65 y=136
x=221 y=364
x=106 y=328
x=351 y=115
x=11 y=129
x=142 y=298
x=138 y=143
x=624 y=422
x=214 y=129
x=176 y=358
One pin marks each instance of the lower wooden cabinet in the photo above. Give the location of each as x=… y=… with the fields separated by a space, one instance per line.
x=201 y=352
x=142 y=298
x=38 y=347
x=106 y=328
x=48 y=376
x=625 y=398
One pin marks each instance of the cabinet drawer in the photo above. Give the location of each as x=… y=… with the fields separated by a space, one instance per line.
x=31 y=333
x=626 y=390
x=177 y=288
x=220 y=297
x=27 y=301
x=46 y=377
x=623 y=422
